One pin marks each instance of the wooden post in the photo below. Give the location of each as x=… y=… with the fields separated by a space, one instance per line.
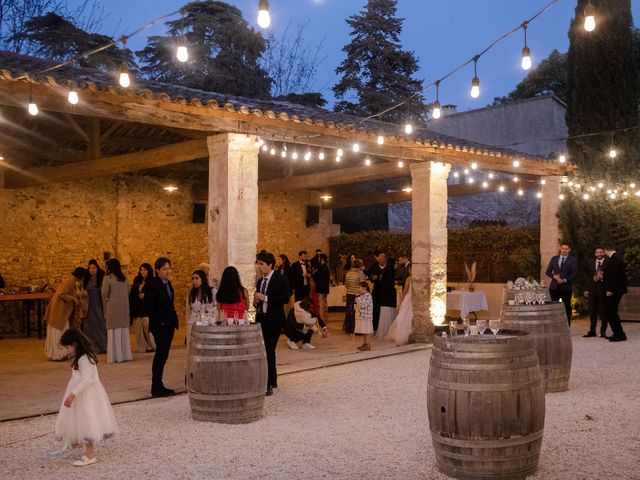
x=549 y=229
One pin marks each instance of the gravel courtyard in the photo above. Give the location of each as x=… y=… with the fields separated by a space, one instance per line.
x=357 y=421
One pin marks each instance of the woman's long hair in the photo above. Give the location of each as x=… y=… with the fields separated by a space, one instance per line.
x=138 y=278
x=114 y=268
x=231 y=289
x=348 y=263
x=83 y=345
x=204 y=292
x=99 y=274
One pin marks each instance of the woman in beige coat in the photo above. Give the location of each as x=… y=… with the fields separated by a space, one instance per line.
x=115 y=299
x=59 y=312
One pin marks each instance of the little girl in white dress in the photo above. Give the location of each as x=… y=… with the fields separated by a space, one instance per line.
x=85 y=416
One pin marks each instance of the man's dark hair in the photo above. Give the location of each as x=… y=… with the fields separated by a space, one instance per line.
x=609 y=246
x=318 y=250
x=266 y=257
x=599 y=247
x=302 y=252
x=161 y=262
x=565 y=243
x=365 y=285
x=324 y=257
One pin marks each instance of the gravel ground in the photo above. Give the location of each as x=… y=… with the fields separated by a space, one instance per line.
x=361 y=420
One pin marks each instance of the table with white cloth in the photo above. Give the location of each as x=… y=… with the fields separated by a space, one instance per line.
x=466 y=302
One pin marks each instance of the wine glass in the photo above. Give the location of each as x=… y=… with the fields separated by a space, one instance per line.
x=466 y=326
x=453 y=328
x=494 y=325
x=482 y=326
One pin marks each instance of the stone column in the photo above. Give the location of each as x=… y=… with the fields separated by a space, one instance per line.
x=549 y=230
x=428 y=247
x=233 y=205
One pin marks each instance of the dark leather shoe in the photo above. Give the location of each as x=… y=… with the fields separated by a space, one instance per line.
x=169 y=391
x=274 y=385
x=602 y=335
x=618 y=339
x=269 y=391
x=590 y=334
x=160 y=393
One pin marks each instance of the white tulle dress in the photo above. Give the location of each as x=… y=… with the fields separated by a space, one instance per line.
x=90 y=417
x=402 y=326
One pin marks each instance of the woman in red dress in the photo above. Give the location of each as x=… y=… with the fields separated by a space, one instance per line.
x=232 y=296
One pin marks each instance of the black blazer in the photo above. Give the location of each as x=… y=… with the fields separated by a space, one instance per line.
x=384 y=287
x=158 y=304
x=137 y=306
x=322 y=278
x=615 y=276
x=295 y=275
x=277 y=298
x=595 y=287
x=568 y=272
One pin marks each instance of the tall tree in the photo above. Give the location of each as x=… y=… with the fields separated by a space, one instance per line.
x=377 y=71
x=603 y=90
x=224 y=52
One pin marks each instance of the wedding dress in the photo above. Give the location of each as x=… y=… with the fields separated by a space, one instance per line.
x=402 y=326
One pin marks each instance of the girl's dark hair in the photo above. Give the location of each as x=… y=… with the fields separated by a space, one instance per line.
x=99 y=274
x=83 y=345
x=231 y=289
x=138 y=279
x=285 y=260
x=306 y=304
x=348 y=264
x=365 y=285
x=113 y=267
x=205 y=290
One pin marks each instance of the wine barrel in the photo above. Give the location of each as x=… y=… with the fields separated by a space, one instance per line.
x=550 y=331
x=226 y=373
x=485 y=401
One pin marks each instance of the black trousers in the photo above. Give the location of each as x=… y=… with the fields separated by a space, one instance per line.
x=301 y=293
x=565 y=295
x=376 y=313
x=296 y=335
x=611 y=314
x=270 y=334
x=163 y=335
x=596 y=309
x=349 y=315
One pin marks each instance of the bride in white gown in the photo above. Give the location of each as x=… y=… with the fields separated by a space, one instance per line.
x=402 y=326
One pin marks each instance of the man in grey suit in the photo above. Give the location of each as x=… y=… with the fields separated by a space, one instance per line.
x=562 y=271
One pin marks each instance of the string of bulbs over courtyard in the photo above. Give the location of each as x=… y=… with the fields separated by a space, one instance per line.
x=470 y=175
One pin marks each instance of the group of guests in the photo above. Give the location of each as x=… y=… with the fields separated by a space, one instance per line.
x=607 y=285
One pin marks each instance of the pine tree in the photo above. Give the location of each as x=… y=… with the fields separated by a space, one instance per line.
x=377 y=71
x=603 y=91
x=224 y=52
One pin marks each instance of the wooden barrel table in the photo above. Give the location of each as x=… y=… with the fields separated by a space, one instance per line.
x=485 y=401
x=226 y=373
x=548 y=326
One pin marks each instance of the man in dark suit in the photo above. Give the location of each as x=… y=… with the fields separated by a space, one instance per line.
x=562 y=271
x=272 y=294
x=300 y=274
x=596 y=294
x=384 y=287
x=163 y=321
x=614 y=283
x=403 y=270
x=315 y=261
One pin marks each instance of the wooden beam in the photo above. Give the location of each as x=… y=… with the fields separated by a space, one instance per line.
x=343 y=176
x=40 y=149
x=180 y=115
x=110 y=131
x=75 y=127
x=93 y=147
x=154 y=158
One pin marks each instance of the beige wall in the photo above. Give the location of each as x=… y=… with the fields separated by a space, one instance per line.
x=282 y=224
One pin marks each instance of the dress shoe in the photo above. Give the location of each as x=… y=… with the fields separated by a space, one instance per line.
x=274 y=385
x=162 y=392
x=269 y=391
x=84 y=461
x=590 y=334
x=622 y=338
x=603 y=335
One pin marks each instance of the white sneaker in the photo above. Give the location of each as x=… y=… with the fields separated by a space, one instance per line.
x=293 y=345
x=84 y=461
x=308 y=346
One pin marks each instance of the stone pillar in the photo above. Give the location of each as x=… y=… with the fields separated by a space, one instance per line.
x=428 y=247
x=233 y=205
x=549 y=230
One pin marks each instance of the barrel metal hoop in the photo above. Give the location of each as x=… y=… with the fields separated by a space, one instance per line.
x=209 y=346
x=483 y=354
x=484 y=366
x=230 y=358
x=485 y=387
x=494 y=443
x=218 y=397
x=557 y=366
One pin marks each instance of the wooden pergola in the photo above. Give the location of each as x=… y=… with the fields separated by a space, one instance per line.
x=172 y=131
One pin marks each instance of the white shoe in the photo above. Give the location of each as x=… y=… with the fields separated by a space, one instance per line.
x=308 y=346
x=293 y=345
x=84 y=461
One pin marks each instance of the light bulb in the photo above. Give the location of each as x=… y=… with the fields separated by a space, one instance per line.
x=265 y=148
x=380 y=139
x=182 y=54
x=338 y=158
x=520 y=192
x=570 y=184
x=593 y=189
x=294 y=155
x=474 y=166
x=471 y=180
x=408 y=128
x=501 y=188
x=367 y=161
x=321 y=155
x=284 y=154
x=589 y=18
x=526 y=58
x=307 y=156
x=436 y=110
x=625 y=194
x=613 y=153
x=273 y=151
x=124 y=80
x=515 y=178
x=475 y=87
x=632 y=185
x=356 y=147
x=33 y=108
x=491 y=175
x=516 y=163
x=339 y=153
x=543 y=182
x=400 y=164
x=600 y=185
x=260 y=142
x=466 y=171
x=539 y=194
x=585 y=196
x=561 y=196
x=485 y=184
x=638 y=193
x=456 y=174
x=264 y=19
x=612 y=196
x=73 y=97
x=562 y=159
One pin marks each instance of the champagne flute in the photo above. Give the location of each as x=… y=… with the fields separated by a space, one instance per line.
x=494 y=325
x=482 y=326
x=453 y=328
x=466 y=326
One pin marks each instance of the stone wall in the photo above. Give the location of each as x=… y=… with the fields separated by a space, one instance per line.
x=282 y=224
x=50 y=229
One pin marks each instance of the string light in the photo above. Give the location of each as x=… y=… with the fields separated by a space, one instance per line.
x=539 y=194
x=273 y=151
x=339 y=153
x=475 y=82
x=408 y=127
x=474 y=166
x=294 y=155
x=170 y=188
x=600 y=185
x=338 y=158
x=589 y=18
x=367 y=161
x=526 y=52
x=456 y=175
x=33 y=108
x=400 y=164
x=515 y=178
x=123 y=79
x=380 y=139
x=466 y=171
x=321 y=155
x=264 y=17
x=326 y=197
x=72 y=97
x=520 y=192
x=407 y=189
x=562 y=159
x=436 y=105
x=561 y=196
x=585 y=196
x=491 y=175
x=516 y=163
x=485 y=184
x=356 y=147
x=182 y=53
x=632 y=185
x=470 y=180
x=501 y=188
x=307 y=155
x=543 y=182
x=613 y=153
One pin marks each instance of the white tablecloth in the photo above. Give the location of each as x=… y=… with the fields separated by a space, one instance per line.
x=466 y=302
x=337 y=296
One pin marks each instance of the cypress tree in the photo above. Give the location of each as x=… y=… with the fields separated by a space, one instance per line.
x=377 y=70
x=603 y=91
